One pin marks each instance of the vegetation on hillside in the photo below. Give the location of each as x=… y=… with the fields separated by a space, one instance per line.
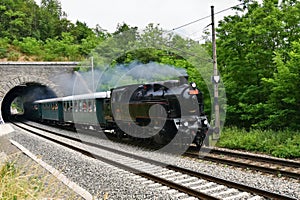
x=43 y=33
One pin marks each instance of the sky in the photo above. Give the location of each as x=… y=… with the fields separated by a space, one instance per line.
x=169 y=14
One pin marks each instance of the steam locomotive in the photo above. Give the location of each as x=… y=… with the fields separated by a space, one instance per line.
x=156 y=111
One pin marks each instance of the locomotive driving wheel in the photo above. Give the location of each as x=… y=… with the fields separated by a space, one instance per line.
x=199 y=140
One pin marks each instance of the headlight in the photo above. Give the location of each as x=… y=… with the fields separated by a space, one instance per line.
x=185 y=123
x=205 y=122
x=193 y=85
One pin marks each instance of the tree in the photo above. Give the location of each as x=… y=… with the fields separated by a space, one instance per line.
x=24 y=18
x=246 y=46
x=81 y=31
x=51 y=20
x=17 y=18
x=283 y=105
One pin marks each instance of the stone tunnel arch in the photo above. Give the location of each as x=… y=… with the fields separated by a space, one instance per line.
x=12 y=88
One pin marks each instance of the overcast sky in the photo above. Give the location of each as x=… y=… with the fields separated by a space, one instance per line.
x=168 y=13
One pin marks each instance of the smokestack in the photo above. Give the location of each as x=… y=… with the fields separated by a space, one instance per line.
x=183 y=79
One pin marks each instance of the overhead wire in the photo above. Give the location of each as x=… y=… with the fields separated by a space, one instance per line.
x=192 y=22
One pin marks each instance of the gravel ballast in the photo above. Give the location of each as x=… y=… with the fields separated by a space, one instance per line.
x=101 y=179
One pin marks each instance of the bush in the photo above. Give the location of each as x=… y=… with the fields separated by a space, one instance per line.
x=30 y=46
x=284 y=144
x=60 y=50
x=4 y=45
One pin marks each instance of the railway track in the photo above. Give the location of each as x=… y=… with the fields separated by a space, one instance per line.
x=187 y=182
x=278 y=167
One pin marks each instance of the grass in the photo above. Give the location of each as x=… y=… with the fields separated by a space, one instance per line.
x=283 y=144
x=29 y=181
x=16 y=184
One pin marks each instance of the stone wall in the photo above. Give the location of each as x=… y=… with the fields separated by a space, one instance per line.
x=13 y=74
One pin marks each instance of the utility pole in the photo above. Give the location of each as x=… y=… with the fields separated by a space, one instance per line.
x=216 y=79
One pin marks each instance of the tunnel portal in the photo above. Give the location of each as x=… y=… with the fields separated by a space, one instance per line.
x=29 y=81
x=26 y=93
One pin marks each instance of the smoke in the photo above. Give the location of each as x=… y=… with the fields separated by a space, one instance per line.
x=104 y=78
x=37 y=92
x=135 y=72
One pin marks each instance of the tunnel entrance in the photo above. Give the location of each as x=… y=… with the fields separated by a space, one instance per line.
x=17 y=97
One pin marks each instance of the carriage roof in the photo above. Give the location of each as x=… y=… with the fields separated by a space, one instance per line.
x=97 y=95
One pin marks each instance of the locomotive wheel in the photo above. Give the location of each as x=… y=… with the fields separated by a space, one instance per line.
x=199 y=144
x=199 y=141
x=119 y=134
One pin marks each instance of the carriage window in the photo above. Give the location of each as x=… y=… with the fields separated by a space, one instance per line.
x=94 y=105
x=84 y=106
x=76 y=106
x=54 y=106
x=35 y=107
x=70 y=108
x=90 y=106
x=65 y=106
x=79 y=106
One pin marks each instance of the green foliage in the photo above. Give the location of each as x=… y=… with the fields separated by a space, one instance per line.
x=81 y=31
x=284 y=144
x=13 y=55
x=4 y=47
x=89 y=43
x=29 y=46
x=15 y=185
x=283 y=105
x=248 y=44
x=63 y=49
x=25 y=180
x=43 y=32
